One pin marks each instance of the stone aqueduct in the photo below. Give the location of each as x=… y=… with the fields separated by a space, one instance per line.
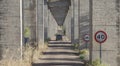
x=37 y=16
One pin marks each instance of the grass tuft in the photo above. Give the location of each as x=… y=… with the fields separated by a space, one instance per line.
x=30 y=54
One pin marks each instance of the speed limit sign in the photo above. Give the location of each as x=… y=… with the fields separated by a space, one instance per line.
x=100 y=36
x=86 y=37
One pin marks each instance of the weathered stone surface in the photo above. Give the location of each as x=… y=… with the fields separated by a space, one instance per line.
x=75 y=19
x=84 y=21
x=9 y=29
x=30 y=17
x=40 y=21
x=104 y=18
x=67 y=24
x=52 y=26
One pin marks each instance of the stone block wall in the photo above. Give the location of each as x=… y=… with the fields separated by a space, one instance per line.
x=9 y=29
x=40 y=20
x=67 y=24
x=105 y=18
x=29 y=14
x=52 y=26
x=75 y=21
x=84 y=21
x=118 y=26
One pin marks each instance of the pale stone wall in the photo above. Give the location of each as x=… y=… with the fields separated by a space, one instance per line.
x=118 y=21
x=52 y=26
x=9 y=29
x=104 y=18
x=67 y=24
x=29 y=19
x=84 y=21
x=72 y=21
x=46 y=13
x=40 y=21
x=75 y=20
x=118 y=26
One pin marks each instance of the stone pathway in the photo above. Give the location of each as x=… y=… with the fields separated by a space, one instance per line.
x=59 y=55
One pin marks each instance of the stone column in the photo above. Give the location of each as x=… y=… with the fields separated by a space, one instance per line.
x=46 y=11
x=84 y=21
x=118 y=26
x=67 y=24
x=30 y=18
x=40 y=21
x=72 y=21
x=75 y=17
x=52 y=26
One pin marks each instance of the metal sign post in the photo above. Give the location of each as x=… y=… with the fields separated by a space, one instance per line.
x=100 y=53
x=100 y=37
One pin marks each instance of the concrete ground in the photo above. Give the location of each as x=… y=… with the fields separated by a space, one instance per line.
x=59 y=54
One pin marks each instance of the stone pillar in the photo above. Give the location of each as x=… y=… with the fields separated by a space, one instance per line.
x=104 y=18
x=75 y=16
x=40 y=21
x=46 y=11
x=72 y=21
x=118 y=26
x=84 y=21
x=67 y=24
x=10 y=29
x=30 y=17
x=52 y=26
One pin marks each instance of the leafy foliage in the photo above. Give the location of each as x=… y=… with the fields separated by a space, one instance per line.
x=84 y=54
x=97 y=63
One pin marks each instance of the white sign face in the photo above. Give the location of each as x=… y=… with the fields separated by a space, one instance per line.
x=100 y=36
x=86 y=37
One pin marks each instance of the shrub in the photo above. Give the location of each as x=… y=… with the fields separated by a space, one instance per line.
x=75 y=46
x=97 y=63
x=84 y=54
x=30 y=55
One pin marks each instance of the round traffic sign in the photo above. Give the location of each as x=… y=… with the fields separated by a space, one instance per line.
x=86 y=38
x=100 y=36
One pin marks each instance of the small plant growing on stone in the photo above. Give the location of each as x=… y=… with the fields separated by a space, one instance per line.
x=97 y=63
x=84 y=54
x=75 y=46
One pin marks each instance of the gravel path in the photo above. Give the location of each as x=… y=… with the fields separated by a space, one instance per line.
x=59 y=55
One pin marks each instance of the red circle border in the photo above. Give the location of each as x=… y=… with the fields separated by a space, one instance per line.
x=86 y=40
x=104 y=39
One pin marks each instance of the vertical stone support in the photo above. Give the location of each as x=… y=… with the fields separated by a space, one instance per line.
x=40 y=20
x=118 y=28
x=72 y=21
x=75 y=17
x=67 y=24
x=30 y=18
x=45 y=19
x=52 y=26
x=104 y=18
x=84 y=21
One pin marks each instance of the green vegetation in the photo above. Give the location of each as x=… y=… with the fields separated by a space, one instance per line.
x=84 y=54
x=30 y=54
x=97 y=63
x=75 y=46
